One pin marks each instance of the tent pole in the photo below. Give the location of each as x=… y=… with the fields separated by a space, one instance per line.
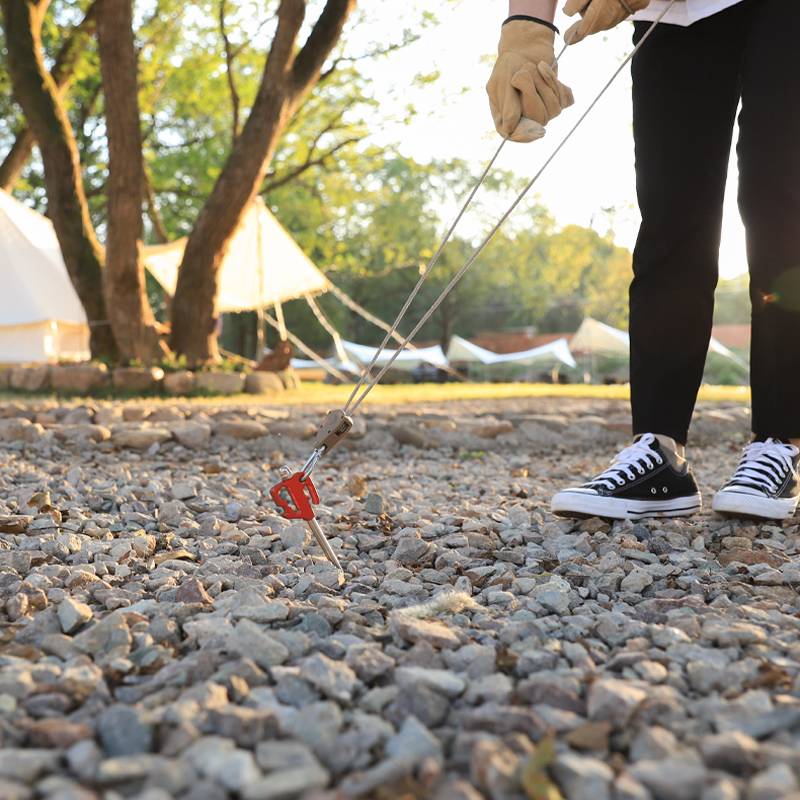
x=259 y=333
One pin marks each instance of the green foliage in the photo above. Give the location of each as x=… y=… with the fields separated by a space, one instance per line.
x=732 y=301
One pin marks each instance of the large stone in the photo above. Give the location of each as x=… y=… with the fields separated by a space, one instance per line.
x=96 y=433
x=72 y=614
x=137 y=379
x=111 y=633
x=251 y=642
x=30 y=379
x=424 y=630
x=181 y=382
x=674 y=778
x=613 y=701
x=192 y=434
x=263 y=383
x=125 y=731
x=240 y=429
x=20 y=430
x=80 y=379
x=220 y=382
x=583 y=778
x=140 y=438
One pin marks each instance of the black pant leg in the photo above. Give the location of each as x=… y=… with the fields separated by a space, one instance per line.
x=686 y=87
x=769 y=201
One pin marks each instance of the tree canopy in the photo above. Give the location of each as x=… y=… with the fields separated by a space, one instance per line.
x=367 y=216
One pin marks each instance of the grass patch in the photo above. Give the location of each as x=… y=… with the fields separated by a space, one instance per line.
x=335 y=396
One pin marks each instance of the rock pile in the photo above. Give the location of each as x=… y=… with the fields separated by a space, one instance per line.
x=165 y=635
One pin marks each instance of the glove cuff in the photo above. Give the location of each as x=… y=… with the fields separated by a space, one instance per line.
x=532 y=19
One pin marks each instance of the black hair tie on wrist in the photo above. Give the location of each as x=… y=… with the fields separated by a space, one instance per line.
x=533 y=19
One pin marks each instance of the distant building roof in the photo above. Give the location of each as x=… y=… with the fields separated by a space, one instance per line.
x=736 y=336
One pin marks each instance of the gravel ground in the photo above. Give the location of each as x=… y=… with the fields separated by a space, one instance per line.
x=164 y=634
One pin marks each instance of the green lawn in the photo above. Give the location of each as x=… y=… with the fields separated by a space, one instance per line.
x=336 y=396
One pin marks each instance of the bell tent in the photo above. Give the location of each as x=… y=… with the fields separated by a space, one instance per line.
x=41 y=317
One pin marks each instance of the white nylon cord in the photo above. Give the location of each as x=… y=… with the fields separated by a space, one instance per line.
x=308 y=351
x=348 y=409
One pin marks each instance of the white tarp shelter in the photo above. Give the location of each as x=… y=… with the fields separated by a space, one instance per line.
x=462 y=351
x=406 y=361
x=595 y=337
x=264 y=265
x=41 y=317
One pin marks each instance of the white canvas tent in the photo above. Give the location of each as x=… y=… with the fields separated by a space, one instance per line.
x=462 y=351
x=41 y=317
x=264 y=265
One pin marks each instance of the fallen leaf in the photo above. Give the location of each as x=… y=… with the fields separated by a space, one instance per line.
x=535 y=781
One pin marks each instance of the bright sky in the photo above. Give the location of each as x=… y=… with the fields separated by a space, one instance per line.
x=594 y=170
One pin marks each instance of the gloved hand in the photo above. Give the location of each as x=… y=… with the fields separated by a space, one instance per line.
x=524 y=90
x=598 y=15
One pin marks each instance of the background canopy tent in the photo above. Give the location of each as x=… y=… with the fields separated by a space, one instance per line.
x=264 y=266
x=407 y=361
x=461 y=351
x=41 y=317
x=595 y=337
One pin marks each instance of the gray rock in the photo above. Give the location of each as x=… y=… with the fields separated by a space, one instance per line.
x=333 y=678
x=583 y=778
x=251 y=642
x=613 y=701
x=773 y=783
x=414 y=742
x=316 y=722
x=410 y=550
x=110 y=633
x=653 y=744
x=295 y=536
x=376 y=504
x=674 y=778
x=288 y=783
x=732 y=751
x=627 y=787
x=28 y=765
x=125 y=730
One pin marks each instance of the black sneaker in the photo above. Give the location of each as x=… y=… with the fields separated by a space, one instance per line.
x=640 y=483
x=765 y=483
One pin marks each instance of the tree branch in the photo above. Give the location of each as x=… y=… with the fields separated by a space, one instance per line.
x=306 y=165
x=229 y=56
x=321 y=41
x=61 y=73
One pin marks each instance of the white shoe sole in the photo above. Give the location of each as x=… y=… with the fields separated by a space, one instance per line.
x=617 y=508
x=750 y=505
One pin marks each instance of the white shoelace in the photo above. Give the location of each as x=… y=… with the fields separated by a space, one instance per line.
x=764 y=464
x=639 y=457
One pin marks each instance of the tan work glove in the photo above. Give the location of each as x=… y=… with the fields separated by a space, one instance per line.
x=598 y=15
x=524 y=90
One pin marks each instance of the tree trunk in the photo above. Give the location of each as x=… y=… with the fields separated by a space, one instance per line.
x=17 y=157
x=132 y=319
x=37 y=94
x=286 y=80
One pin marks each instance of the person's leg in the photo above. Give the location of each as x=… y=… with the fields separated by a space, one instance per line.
x=769 y=202
x=685 y=94
x=766 y=483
